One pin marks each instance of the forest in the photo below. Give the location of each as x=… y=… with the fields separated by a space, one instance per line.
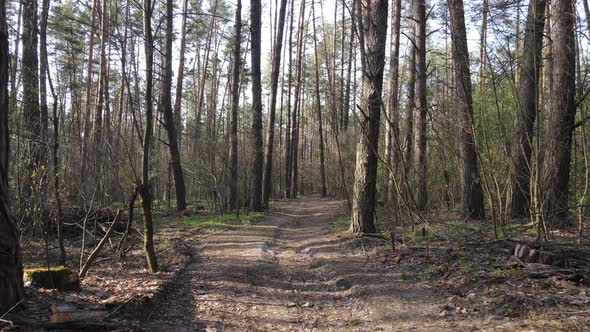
x=294 y=165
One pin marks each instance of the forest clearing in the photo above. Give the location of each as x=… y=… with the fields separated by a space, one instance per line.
x=294 y=165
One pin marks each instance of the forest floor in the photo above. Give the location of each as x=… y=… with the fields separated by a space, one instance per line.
x=295 y=269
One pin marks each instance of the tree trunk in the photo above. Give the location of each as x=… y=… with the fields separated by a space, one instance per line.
x=319 y=111
x=30 y=103
x=298 y=102
x=372 y=31
x=235 y=95
x=288 y=145
x=11 y=269
x=409 y=140
x=43 y=109
x=276 y=67
x=472 y=193
x=180 y=77
x=392 y=142
x=101 y=91
x=421 y=107
x=87 y=125
x=587 y=12
x=557 y=151
x=201 y=91
x=145 y=189
x=528 y=94
x=257 y=144
x=169 y=122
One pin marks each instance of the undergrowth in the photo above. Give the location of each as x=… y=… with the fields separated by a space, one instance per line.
x=220 y=220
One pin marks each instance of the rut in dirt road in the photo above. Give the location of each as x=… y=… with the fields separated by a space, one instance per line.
x=285 y=272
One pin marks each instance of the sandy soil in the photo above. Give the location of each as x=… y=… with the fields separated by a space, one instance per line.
x=285 y=272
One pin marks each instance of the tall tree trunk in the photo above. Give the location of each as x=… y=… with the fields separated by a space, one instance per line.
x=257 y=164
x=298 y=102
x=319 y=110
x=528 y=96
x=483 y=42
x=98 y=151
x=14 y=61
x=411 y=87
x=372 y=31
x=145 y=189
x=90 y=66
x=421 y=106
x=288 y=145
x=11 y=269
x=587 y=12
x=46 y=74
x=180 y=77
x=351 y=54
x=557 y=151
x=30 y=103
x=472 y=193
x=392 y=142
x=235 y=95
x=169 y=122
x=43 y=109
x=274 y=83
x=201 y=91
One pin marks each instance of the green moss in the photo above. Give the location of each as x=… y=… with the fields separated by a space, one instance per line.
x=44 y=269
x=58 y=277
x=220 y=220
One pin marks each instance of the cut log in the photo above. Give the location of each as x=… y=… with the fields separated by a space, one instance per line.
x=528 y=254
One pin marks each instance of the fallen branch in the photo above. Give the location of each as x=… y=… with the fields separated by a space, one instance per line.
x=98 y=248
x=120 y=306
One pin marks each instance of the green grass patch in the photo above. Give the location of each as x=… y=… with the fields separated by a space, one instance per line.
x=357 y=322
x=340 y=225
x=532 y=232
x=220 y=220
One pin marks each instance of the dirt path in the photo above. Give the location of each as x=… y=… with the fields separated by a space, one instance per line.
x=286 y=273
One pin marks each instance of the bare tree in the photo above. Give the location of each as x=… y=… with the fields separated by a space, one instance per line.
x=372 y=31
x=319 y=110
x=235 y=96
x=472 y=193
x=30 y=79
x=276 y=68
x=145 y=189
x=180 y=74
x=392 y=137
x=11 y=269
x=528 y=96
x=421 y=109
x=256 y=202
x=557 y=149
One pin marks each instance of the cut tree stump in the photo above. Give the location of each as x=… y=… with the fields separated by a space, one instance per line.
x=529 y=254
x=59 y=277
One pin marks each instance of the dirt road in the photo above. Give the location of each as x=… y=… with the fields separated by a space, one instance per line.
x=285 y=272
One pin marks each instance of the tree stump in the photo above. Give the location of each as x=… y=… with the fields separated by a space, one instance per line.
x=58 y=277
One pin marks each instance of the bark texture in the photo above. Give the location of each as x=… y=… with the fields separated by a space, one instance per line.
x=274 y=84
x=472 y=194
x=257 y=164
x=235 y=95
x=169 y=122
x=557 y=151
x=528 y=96
x=372 y=29
x=11 y=269
x=421 y=109
x=145 y=189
